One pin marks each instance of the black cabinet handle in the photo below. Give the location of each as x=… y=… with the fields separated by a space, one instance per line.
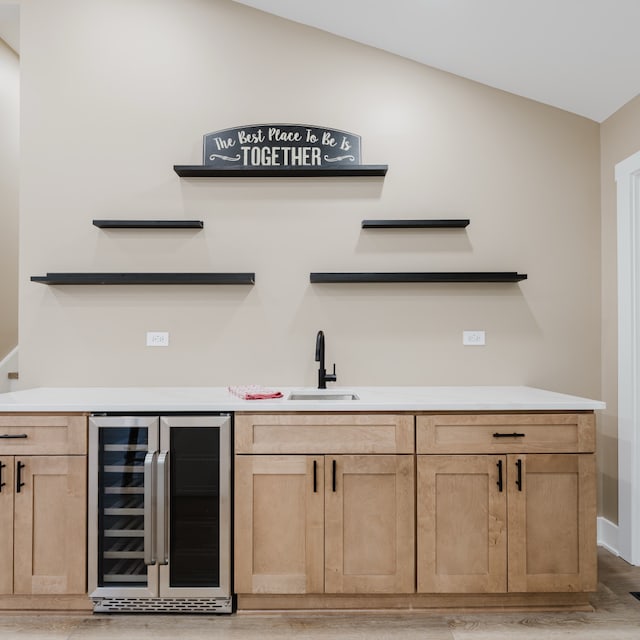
x=333 y=475
x=315 y=476
x=499 y=483
x=19 y=482
x=519 y=478
x=509 y=435
x=2 y=482
x=12 y=436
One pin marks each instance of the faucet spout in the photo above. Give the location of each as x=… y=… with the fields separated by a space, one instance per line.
x=323 y=376
x=320 y=348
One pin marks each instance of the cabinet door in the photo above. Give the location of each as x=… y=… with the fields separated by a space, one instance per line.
x=369 y=524
x=552 y=517
x=279 y=524
x=6 y=525
x=462 y=536
x=50 y=525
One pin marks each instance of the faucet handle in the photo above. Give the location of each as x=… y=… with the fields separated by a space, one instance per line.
x=331 y=377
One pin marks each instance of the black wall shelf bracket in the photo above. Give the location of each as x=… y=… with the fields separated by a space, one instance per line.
x=146 y=278
x=149 y=224
x=415 y=224
x=203 y=171
x=420 y=276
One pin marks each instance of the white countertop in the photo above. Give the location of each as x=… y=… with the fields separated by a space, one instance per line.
x=159 y=399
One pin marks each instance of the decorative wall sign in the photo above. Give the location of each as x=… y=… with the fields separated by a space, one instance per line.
x=281 y=146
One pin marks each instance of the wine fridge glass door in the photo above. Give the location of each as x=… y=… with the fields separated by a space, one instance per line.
x=122 y=470
x=194 y=546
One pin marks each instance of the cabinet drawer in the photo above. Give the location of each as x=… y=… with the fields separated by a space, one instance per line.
x=506 y=433
x=40 y=434
x=324 y=433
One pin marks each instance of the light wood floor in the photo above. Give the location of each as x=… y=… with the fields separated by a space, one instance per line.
x=616 y=617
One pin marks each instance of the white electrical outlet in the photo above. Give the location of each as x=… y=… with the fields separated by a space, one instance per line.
x=473 y=338
x=157 y=338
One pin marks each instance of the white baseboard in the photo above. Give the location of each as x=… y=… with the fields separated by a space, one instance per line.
x=9 y=363
x=608 y=535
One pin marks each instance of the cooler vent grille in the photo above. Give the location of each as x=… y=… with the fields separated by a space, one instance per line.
x=158 y=605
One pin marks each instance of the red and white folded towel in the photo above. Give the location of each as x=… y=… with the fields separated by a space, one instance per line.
x=255 y=392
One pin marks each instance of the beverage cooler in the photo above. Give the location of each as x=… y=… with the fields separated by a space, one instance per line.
x=159 y=513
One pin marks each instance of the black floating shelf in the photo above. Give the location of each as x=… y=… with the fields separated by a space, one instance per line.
x=420 y=276
x=146 y=278
x=203 y=171
x=149 y=224
x=415 y=224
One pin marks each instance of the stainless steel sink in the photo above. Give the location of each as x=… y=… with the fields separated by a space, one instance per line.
x=323 y=396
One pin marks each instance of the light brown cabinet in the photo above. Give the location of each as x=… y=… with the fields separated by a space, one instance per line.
x=42 y=507
x=369 y=524
x=461 y=526
x=516 y=522
x=50 y=526
x=279 y=524
x=503 y=507
x=552 y=523
x=322 y=433
x=334 y=523
x=6 y=524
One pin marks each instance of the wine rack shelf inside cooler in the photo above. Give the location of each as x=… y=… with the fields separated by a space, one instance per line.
x=127 y=571
x=125 y=506
x=132 y=548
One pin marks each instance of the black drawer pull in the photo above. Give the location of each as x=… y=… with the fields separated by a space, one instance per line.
x=509 y=435
x=19 y=482
x=11 y=436
x=2 y=482
x=499 y=483
x=333 y=475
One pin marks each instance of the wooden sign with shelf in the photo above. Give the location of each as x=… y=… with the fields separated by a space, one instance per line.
x=280 y=150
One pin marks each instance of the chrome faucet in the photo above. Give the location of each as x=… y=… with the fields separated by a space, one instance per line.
x=323 y=376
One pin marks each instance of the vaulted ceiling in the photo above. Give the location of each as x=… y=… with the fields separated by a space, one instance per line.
x=582 y=56
x=579 y=55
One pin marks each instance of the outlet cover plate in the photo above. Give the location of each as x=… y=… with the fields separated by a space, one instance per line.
x=473 y=338
x=157 y=338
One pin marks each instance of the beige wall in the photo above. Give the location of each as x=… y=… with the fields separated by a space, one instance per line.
x=620 y=138
x=9 y=176
x=114 y=94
